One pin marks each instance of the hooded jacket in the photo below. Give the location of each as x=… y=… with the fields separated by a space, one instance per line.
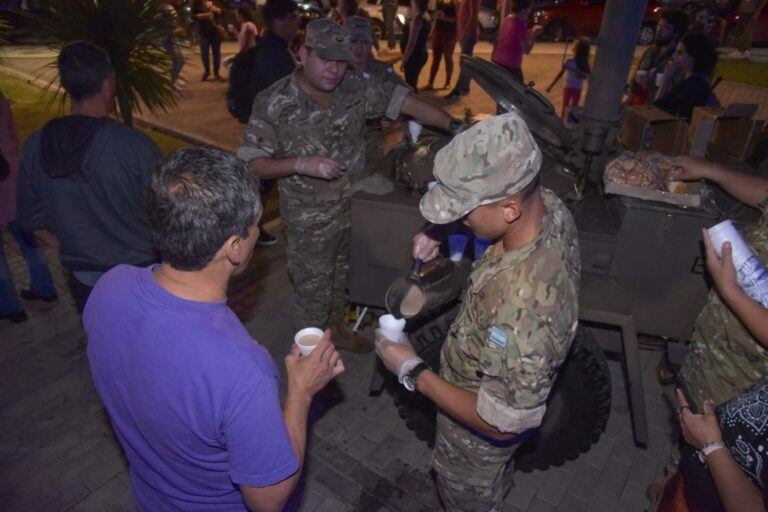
x=85 y=179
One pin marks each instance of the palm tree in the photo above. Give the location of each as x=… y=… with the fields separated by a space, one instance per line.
x=131 y=32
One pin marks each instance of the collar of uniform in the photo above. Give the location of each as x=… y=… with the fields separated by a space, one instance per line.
x=490 y=265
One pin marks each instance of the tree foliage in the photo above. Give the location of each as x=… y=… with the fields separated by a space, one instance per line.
x=132 y=32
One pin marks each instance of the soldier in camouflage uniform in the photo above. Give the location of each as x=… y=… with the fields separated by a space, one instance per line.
x=369 y=69
x=725 y=358
x=518 y=314
x=307 y=131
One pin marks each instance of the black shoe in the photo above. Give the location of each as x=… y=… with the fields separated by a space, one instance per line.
x=265 y=239
x=30 y=295
x=16 y=318
x=205 y=78
x=217 y=78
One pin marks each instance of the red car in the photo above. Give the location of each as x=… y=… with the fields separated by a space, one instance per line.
x=563 y=19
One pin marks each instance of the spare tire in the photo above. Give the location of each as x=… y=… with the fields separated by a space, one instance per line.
x=577 y=409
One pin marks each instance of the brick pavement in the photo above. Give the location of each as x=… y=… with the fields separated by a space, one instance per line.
x=58 y=452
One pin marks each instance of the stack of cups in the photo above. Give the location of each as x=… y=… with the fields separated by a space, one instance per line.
x=391 y=327
x=750 y=271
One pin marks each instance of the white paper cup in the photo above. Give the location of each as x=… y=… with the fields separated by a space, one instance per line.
x=304 y=333
x=391 y=327
x=414 y=130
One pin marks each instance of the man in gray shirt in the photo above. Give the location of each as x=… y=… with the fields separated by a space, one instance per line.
x=84 y=176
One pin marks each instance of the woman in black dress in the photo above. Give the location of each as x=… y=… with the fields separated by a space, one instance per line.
x=415 y=53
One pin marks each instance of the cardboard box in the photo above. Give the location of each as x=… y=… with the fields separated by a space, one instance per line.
x=693 y=197
x=725 y=132
x=649 y=127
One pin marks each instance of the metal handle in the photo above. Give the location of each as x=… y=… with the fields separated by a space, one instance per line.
x=417 y=262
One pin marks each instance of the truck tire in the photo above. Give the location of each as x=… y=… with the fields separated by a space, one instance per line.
x=577 y=411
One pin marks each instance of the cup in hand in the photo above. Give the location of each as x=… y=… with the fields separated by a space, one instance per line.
x=307 y=339
x=391 y=327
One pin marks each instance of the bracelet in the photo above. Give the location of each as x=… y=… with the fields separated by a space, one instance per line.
x=709 y=447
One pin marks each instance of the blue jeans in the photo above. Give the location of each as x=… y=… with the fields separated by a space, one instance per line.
x=467 y=48
x=41 y=282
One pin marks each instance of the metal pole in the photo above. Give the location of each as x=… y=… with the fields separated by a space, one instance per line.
x=616 y=44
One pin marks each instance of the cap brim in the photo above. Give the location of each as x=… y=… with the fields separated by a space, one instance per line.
x=329 y=54
x=439 y=206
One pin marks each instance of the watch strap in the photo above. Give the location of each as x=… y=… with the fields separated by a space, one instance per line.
x=414 y=374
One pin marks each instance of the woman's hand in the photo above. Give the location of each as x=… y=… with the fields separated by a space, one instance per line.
x=698 y=429
x=721 y=269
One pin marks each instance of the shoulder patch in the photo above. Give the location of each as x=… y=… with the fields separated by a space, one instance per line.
x=498 y=336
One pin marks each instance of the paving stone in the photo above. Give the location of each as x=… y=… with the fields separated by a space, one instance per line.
x=584 y=481
x=331 y=504
x=599 y=453
x=571 y=503
x=613 y=477
x=522 y=493
x=65 y=499
x=633 y=499
x=554 y=486
x=539 y=505
x=112 y=496
x=603 y=502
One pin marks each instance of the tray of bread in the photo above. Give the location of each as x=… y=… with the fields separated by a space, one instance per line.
x=650 y=175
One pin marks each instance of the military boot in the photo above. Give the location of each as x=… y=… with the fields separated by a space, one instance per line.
x=345 y=339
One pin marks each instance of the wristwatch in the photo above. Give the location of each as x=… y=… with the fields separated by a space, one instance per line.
x=455 y=126
x=410 y=378
x=708 y=448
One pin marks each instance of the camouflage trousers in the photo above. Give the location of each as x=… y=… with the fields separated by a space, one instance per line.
x=318 y=261
x=374 y=151
x=471 y=477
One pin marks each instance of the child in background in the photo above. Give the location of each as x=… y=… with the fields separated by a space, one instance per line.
x=577 y=71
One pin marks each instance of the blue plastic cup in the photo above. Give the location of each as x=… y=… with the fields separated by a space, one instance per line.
x=481 y=245
x=456 y=245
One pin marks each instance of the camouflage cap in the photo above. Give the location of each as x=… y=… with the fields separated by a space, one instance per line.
x=359 y=29
x=493 y=159
x=329 y=39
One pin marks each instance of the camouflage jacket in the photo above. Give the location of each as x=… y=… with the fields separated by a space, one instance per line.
x=724 y=358
x=514 y=328
x=287 y=122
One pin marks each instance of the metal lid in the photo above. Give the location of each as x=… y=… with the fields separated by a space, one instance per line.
x=539 y=114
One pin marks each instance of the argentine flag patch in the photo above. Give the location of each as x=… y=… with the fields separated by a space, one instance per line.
x=498 y=336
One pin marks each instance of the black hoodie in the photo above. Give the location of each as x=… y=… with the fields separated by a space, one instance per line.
x=85 y=179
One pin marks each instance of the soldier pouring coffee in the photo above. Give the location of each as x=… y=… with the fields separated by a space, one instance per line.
x=518 y=314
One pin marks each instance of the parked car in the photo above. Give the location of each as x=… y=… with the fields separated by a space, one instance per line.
x=734 y=29
x=563 y=19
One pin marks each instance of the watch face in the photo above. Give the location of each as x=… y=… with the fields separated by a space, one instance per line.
x=409 y=384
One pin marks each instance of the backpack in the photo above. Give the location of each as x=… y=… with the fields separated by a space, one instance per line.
x=241 y=91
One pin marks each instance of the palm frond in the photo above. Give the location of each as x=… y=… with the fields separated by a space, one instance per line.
x=132 y=33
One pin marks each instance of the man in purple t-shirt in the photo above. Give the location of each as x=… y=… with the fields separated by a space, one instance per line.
x=193 y=399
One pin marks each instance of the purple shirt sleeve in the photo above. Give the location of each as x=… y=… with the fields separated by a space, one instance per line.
x=260 y=451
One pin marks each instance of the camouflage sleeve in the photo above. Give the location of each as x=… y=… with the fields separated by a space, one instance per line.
x=519 y=363
x=385 y=98
x=260 y=136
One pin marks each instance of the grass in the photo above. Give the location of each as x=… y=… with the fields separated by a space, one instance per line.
x=743 y=71
x=32 y=108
